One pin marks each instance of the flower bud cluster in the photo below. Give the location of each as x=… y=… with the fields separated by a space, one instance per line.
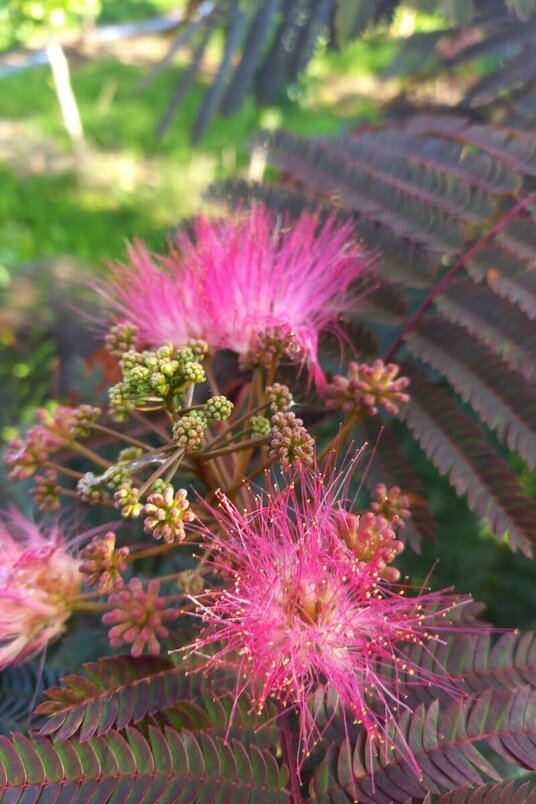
x=115 y=477
x=151 y=377
x=269 y=347
x=46 y=491
x=127 y=500
x=370 y=538
x=191 y=582
x=291 y=444
x=198 y=347
x=121 y=403
x=129 y=454
x=102 y=564
x=90 y=489
x=158 y=486
x=121 y=337
x=279 y=397
x=69 y=423
x=366 y=388
x=391 y=504
x=260 y=426
x=218 y=408
x=189 y=431
x=26 y=455
x=166 y=512
x=137 y=617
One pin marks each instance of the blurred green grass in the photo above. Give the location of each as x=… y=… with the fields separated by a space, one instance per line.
x=132 y=184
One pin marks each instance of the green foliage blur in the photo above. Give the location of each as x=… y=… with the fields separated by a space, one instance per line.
x=20 y=19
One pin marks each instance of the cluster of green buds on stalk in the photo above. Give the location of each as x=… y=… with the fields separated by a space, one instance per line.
x=159 y=379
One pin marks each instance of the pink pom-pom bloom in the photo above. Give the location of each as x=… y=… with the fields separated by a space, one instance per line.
x=237 y=280
x=137 y=617
x=39 y=580
x=299 y=615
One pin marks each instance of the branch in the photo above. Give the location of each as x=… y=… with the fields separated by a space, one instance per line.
x=458 y=266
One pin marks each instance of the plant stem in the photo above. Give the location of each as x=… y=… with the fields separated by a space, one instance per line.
x=251 y=443
x=218 y=472
x=272 y=371
x=232 y=424
x=89 y=595
x=192 y=407
x=338 y=441
x=289 y=756
x=256 y=398
x=173 y=469
x=458 y=266
x=63 y=470
x=151 y=426
x=173 y=599
x=174 y=576
x=188 y=397
x=128 y=439
x=161 y=469
x=230 y=491
x=68 y=493
x=82 y=605
x=89 y=454
x=152 y=551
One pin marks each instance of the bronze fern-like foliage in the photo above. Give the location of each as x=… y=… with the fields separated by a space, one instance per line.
x=504 y=32
x=118 y=691
x=268 y=44
x=476 y=663
x=500 y=793
x=140 y=729
x=446 y=741
x=447 y=208
x=164 y=766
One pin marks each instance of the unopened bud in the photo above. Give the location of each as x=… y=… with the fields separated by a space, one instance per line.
x=102 y=564
x=291 y=444
x=166 y=513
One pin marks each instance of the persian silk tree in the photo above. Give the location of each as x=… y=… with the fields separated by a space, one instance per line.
x=270 y=648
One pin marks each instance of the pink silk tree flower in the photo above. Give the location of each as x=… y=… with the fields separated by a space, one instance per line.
x=254 y=283
x=39 y=580
x=297 y=614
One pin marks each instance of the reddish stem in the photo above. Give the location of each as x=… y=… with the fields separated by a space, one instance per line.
x=458 y=266
x=289 y=756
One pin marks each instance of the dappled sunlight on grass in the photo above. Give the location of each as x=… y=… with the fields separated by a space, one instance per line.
x=127 y=182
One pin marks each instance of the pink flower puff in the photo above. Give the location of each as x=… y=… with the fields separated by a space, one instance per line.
x=38 y=581
x=299 y=615
x=232 y=281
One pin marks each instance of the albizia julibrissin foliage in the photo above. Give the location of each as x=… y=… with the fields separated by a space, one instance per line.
x=293 y=624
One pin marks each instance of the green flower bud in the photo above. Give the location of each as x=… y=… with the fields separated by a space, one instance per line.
x=260 y=426
x=218 y=408
x=189 y=431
